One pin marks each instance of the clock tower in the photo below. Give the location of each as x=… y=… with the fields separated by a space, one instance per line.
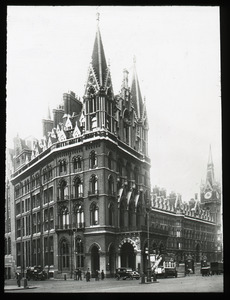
x=210 y=192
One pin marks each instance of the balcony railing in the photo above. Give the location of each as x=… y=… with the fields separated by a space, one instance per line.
x=70 y=226
x=78 y=196
x=93 y=193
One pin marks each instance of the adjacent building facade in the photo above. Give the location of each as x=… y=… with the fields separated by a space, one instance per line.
x=82 y=194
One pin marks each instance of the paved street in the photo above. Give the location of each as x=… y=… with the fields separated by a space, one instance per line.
x=194 y=283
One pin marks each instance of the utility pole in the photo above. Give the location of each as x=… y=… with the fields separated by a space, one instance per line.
x=148 y=242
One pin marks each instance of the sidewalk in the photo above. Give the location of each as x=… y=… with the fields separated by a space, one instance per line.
x=10 y=285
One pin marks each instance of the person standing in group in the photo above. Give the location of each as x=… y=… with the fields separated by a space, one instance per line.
x=87 y=275
x=102 y=275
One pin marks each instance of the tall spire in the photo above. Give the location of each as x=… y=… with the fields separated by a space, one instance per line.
x=136 y=92
x=210 y=170
x=98 y=57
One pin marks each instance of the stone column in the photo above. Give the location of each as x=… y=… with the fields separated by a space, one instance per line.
x=138 y=261
x=103 y=262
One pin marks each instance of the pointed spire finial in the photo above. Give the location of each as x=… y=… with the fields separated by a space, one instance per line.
x=210 y=155
x=134 y=59
x=98 y=17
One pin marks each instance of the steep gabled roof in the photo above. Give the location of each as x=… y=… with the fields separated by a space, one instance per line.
x=98 y=59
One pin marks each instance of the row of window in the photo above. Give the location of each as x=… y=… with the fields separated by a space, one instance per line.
x=22 y=188
x=25 y=205
x=30 y=254
x=23 y=225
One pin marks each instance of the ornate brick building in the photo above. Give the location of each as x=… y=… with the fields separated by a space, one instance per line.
x=82 y=191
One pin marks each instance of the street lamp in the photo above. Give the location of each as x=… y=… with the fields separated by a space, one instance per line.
x=149 y=265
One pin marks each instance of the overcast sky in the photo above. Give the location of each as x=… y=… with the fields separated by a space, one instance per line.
x=177 y=52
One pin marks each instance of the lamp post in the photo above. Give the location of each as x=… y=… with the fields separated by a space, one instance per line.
x=149 y=265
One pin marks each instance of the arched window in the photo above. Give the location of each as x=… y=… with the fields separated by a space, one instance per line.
x=92 y=160
x=62 y=167
x=93 y=185
x=136 y=175
x=138 y=214
x=119 y=166
x=111 y=214
x=131 y=213
x=76 y=163
x=94 y=214
x=78 y=188
x=110 y=157
x=111 y=185
x=79 y=253
x=79 y=212
x=122 y=213
x=64 y=218
x=127 y=124
x=64 y=254
x=63 y=190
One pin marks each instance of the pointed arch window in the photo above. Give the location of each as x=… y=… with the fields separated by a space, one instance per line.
x=138 y=222
x=62 y=167
x=63 y=191
x=79 y=253
x=111 y=214
x=92 y=160
x=78 y=188
x=77 y=163
x=93 y=185
x=111 y=185
x=64 y=218
x=119 y=166
x=131 y=213
x=79 y=212
x=64 y=254
x=122 y=213
x=110 y=158
x=94 y=214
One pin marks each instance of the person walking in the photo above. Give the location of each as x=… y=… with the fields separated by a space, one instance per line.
x=97 y=275
x=102 y=275
x=79 y=274
x=87 y=275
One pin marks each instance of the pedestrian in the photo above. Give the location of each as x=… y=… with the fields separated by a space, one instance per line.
x=87 y=275
x=102 y=275
x=79 y=274
x=96 y=275
x=18 y=276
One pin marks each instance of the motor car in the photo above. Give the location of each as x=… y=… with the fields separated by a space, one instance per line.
x=135 y=274
x=125 y=273
x=166 y=272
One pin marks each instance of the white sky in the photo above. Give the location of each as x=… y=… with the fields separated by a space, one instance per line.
x=177 y=53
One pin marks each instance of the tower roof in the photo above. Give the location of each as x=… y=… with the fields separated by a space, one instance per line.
x=210 y=170
x=98 y=57
x=136 y=92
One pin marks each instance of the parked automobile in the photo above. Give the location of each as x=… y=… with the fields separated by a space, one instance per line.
x=205 y=271
x=216 y=268
x=165 y=272
x=125 y=273
x=36 y=273
x=135 y=274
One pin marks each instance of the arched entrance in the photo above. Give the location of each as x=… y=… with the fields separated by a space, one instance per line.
x=95 y=259
x=128 y=257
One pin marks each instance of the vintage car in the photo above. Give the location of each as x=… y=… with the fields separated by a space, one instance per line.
x=165 y=272
x=125 y=273
x=216 y=268
x=36 y=273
